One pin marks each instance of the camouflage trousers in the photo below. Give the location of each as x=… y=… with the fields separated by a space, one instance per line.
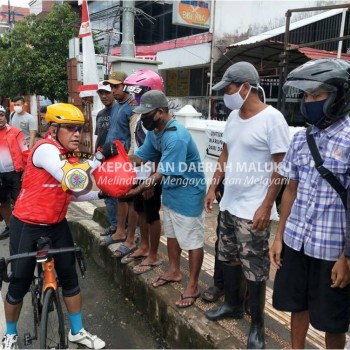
x=239 y=242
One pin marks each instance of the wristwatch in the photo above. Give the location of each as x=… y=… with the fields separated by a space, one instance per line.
x=99 y=156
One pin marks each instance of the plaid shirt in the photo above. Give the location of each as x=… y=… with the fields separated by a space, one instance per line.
x=317 y=220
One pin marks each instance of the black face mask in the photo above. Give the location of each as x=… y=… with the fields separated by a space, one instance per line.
x=148 y=122
x=314 y=112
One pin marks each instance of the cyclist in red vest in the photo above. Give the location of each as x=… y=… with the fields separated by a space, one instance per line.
x=12 y=161
x=56 y=173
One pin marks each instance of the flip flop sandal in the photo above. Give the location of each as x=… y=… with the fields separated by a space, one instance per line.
x=161 y=281
x=108 y=240
x=215 y=293
x=122 y=250
x=130 y=258
x=108 y=231
x=192 y=299
x=145 y=267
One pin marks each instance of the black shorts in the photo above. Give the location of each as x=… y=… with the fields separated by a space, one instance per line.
x=303 y=283
x=10 y=185
x=23 y=239
x=150 y=206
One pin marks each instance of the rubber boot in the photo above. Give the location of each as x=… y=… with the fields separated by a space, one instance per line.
x=235 y=288
x=218 y=264
x=256 y=338
x=218 y=274
x=246 y=303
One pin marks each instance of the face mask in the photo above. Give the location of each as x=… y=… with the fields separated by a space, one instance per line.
x=314 y=111
x=148 y=122
x=235 y=101
x=43 y=124
x=18 y=109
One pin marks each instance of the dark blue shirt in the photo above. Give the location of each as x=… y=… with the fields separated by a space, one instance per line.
x=119 y=124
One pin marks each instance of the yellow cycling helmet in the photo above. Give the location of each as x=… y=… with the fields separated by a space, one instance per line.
x=64 y=113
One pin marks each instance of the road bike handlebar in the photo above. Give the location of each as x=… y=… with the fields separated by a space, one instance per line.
x=41 y=255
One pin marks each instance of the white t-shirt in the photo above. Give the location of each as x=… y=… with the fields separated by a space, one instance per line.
x=25 y=123
x=250 y=144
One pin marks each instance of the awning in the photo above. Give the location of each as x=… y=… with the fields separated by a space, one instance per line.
x=265 y=56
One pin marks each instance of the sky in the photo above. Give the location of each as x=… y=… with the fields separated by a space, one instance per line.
x=232 y=15
x=20 y=3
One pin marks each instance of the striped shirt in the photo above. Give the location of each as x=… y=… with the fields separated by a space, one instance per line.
x=317 y=220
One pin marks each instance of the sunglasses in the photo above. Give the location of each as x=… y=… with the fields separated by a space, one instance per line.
x=72 y=127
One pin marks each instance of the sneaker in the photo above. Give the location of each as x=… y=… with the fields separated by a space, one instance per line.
x=86 y=339
x=9 y=341
x=5 y=234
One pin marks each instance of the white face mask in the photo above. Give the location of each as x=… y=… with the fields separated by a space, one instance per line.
x=18 y=109
x=235 y=101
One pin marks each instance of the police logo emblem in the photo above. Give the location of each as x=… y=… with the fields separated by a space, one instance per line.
x=75 y=176
x=77 y=179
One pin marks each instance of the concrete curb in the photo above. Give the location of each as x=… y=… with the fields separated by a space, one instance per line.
x=180 y=328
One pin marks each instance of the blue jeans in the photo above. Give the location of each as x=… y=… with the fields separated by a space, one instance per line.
x=112 y=210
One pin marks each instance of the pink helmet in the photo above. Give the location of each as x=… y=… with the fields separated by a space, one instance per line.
x=143 y=80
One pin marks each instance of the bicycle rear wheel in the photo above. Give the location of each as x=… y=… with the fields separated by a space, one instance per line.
x=52 y=332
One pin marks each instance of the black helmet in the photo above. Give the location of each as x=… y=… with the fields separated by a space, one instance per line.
x=329 y=74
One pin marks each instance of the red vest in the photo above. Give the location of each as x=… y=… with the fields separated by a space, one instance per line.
x=42 y=199
x=12 y=134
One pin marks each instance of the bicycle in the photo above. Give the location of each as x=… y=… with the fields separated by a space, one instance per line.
x=47 y=309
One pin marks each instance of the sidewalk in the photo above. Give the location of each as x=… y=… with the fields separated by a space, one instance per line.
x=181 y=328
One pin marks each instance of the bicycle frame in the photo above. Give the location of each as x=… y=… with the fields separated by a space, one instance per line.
x=50 y=280
x=45 y=294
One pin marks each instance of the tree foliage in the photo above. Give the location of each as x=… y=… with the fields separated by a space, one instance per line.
x=33 y=56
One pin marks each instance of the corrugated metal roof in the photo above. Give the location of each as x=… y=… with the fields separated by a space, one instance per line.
x=280 y=30
x=265 y=56
x=316 y=54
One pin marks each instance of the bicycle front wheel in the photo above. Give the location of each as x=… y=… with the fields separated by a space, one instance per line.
x=52 y=332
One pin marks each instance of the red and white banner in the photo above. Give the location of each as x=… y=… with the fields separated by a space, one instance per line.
x=90 y=76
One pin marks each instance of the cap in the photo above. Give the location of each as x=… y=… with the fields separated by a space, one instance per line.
x=2 y=109
x=239 y=72
x=103 y=87
x=150 y=101
x=116 y=78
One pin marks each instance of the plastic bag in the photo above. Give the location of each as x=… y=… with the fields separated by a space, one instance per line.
x=116 y=176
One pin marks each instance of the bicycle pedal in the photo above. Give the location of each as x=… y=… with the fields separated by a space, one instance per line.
x=27 y=339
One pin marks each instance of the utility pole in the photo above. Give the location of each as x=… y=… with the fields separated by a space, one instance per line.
x=212 y=47
x=9 y=14
x=128 y=46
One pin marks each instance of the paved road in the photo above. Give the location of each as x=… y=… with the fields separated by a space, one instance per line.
x=106 y=312
x=121 y=326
